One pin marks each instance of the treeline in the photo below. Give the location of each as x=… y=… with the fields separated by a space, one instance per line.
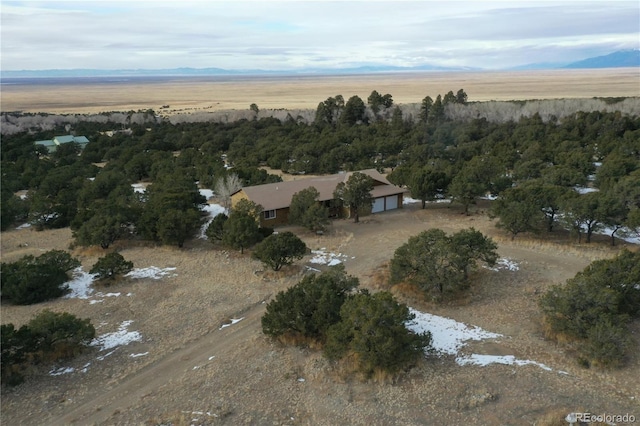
x=431 y=154
x=492 y=111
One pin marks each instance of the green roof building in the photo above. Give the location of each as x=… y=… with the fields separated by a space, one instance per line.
x=52 y=145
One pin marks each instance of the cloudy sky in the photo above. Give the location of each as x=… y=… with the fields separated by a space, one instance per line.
x=288 y=35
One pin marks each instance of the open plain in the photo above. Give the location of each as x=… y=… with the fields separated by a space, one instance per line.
x=188 y=94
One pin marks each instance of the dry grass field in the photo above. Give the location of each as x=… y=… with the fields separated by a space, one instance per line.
x=305 y=92
x=195 y=373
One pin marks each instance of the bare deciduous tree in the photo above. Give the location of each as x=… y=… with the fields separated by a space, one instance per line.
x=225 y=186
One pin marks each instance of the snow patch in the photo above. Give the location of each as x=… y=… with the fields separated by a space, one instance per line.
x=584 y=190
x=139 y=187
x=438 y=200
x=484 y=360
x=212 y=211
x=24 y=226
x=121 y=337
x=80 y=285
x=138 y=355
x=490 y=197
x=233 y=321
x=151 y=272
x=321 y=257
x=62 y=370
x=206 y=193
x=448 y=336
x=505 y=264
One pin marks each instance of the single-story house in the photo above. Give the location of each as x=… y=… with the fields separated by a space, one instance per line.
x=275 y=198
x=53 y=144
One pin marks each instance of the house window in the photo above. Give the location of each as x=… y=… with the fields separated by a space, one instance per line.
x=269 y=214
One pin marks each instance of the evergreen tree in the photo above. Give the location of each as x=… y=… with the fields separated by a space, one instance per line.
x=355 y=193
x=305 y=210
x=278 y=250
x=111 y=266
x=372 y=327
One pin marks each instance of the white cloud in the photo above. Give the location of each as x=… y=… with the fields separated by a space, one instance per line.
x=281 y=35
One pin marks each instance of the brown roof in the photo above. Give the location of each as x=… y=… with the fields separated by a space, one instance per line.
x=278 y=195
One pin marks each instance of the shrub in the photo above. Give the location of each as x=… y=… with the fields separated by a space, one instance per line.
x=372 y=327
x=439 y=264
x=111 y=266
x=281 y=249
x=215 y=229
x=32 y=280
x=593 y=307
x=606 y=344
x=49 y=336
x=310 y=307
x=60 y=334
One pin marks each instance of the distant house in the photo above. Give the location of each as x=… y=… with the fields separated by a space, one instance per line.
x=53 y=144
x=275 y=198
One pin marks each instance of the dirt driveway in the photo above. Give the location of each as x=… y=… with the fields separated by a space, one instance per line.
x=196 y=373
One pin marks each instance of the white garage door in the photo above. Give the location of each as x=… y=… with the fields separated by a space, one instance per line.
x=378 y=205
x=392 y=202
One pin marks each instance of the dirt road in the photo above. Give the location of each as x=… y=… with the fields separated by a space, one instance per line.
x=98 y=406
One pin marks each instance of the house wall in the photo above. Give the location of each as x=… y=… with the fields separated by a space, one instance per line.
x=240 y=195
x=282 y=218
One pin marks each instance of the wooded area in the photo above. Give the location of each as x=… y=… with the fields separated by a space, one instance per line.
x=530 y=163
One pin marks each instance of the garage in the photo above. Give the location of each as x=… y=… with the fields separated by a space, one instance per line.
x=391 y=202
x=378 y=205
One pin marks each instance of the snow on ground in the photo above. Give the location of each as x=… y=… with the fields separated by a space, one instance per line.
x=60 y=371
x=24 y=225
x=322 y=257
x=80 y=285
x=622 y=234
x=233 y=321
x=584 y=190
x=484 y=360
x=151 y=272
x=212 y=210
x=139 y=187
x=409 y=200
x=505 y=263
x=489 y=197
x=206 y=193
x=121 y=337
x=449 y=337
x=114 y=340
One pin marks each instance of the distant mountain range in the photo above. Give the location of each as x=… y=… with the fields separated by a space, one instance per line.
x=619 y=59
x=622 y=58
x=79 y=72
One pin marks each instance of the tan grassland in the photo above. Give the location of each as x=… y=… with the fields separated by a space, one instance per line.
x=195 y=373
x=305 y=92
